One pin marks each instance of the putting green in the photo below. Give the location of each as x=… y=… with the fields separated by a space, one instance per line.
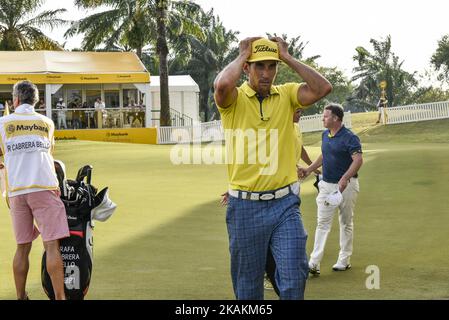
x=168 y=238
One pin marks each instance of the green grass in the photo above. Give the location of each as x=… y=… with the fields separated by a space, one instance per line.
x=168 y=238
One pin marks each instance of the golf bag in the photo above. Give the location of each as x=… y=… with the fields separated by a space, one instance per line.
x=83 y=205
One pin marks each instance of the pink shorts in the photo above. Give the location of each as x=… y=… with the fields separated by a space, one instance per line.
x=46 y=208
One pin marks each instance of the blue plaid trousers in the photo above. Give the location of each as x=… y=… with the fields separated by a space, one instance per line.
x=253 y=226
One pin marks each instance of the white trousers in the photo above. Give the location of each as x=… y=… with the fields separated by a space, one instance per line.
x=62 y=121
x=325 y=217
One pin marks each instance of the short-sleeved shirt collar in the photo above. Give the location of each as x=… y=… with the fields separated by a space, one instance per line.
x=24 y=108
x=251 y=93
x=341 y=131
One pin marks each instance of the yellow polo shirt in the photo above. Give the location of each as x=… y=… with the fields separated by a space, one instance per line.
x=260 y=151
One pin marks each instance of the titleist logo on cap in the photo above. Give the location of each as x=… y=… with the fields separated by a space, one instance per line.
x=264 y=48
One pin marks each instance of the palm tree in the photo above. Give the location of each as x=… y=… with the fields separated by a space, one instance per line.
x=209 y=55
x=440 y=59
x=341 y=86
x=124 y=25
x=180 y=18
x=138 y=23
x=296 y=48
x=19 y=27
x=379 y=65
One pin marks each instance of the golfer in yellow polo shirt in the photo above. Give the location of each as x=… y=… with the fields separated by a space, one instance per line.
x=263 y=208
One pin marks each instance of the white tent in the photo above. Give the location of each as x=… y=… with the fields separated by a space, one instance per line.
x=184 y=95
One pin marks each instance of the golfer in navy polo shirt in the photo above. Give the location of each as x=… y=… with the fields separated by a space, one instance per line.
x=341 y=158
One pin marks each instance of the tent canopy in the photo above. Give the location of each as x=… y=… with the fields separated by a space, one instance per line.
x=63 y=67
x=176 y=83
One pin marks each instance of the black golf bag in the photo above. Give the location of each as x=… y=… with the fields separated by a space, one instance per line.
x=82 y=204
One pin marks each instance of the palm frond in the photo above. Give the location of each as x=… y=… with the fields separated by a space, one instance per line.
x=47 y=19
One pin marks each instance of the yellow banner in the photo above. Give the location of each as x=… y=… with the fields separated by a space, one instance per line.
x=76 y=78
x=132 y=135
x=26 y=127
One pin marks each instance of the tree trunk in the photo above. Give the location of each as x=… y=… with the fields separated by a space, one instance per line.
x=204 y=99
x=139 y=52
x=162 y=51
x=10 y=42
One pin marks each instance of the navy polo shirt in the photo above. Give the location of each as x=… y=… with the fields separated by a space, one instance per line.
x=337 y=153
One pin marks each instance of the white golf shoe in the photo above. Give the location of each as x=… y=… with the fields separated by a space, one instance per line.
x=314 y=268
x=339 y=266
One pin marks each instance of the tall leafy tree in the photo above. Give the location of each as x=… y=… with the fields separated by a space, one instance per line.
x=342 y=88
x=440 y=59
x=341 y=85
x=431 y=90
x=140 y=23
x=20 y=25
x=296 y=47
x=296 y=50
x=173 y=18
x=381 y=65
x=123 y=25
x=430 y=94
x=210 y=55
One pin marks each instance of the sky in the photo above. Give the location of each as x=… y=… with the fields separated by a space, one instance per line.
x=332 y=28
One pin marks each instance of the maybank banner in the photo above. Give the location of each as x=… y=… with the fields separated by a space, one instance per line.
x=132 y=135
x=76 y=78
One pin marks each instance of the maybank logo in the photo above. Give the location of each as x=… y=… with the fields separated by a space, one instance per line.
x=31 y=127
x=16 y=79
x=65 y=138
x=10 y=129
x=90 y=78
x=116 y=134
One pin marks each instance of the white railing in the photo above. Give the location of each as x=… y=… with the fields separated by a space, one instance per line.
x=417 y=112
x=213 y=131
x=89 y=118
x=315 y=122
x=200 y=132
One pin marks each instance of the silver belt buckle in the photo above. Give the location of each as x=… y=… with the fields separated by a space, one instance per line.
x=267 y=196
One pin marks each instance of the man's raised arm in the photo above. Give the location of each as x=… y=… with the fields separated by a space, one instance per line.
x=225 y=91
x=316 y=86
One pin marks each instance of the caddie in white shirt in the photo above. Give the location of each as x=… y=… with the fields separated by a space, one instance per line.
x=32 y=187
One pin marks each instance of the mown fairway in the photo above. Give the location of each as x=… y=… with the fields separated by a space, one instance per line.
x=168 y=238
